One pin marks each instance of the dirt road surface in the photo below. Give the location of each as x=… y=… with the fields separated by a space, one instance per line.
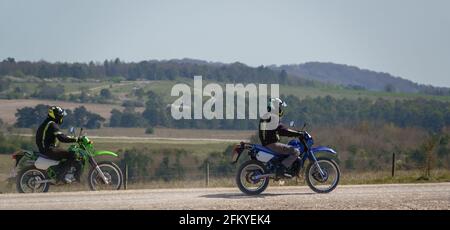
x=393 y=196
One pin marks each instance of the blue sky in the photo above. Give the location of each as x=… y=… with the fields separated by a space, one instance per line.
x=407 y=38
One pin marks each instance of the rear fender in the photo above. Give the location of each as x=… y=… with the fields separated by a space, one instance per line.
x=17 y=156
x=24 y=157
x=237 y=151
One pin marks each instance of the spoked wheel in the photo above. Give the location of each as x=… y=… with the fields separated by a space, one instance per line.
x=326 y=182
x=27 y=180
x=112 y=173
x=246 y=181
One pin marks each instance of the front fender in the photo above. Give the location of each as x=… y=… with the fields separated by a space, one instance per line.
x=323 y=149
x=109 y=153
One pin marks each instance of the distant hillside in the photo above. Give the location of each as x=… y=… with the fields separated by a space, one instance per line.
x=308 y=74
x=354 y=77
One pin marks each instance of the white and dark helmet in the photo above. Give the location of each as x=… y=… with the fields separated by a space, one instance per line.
x=274 y=103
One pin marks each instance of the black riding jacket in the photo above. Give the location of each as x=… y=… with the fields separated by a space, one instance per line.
x=48 y=135
x=273 y=136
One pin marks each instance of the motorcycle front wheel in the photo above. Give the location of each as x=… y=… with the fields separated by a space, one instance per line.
x=322 y=183
x=112 y=173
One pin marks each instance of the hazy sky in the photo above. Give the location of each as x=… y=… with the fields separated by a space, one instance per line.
x=407 y=38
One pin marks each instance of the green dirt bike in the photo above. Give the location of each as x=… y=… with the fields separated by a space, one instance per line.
x=36 y=172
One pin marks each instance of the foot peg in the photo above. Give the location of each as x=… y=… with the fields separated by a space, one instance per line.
x=69 y=178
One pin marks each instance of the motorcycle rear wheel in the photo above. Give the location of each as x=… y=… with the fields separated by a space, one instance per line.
x=243 y=178
x=26 y=180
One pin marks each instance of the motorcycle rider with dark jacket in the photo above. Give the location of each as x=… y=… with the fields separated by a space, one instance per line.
x=49 y=135
x=270 y=137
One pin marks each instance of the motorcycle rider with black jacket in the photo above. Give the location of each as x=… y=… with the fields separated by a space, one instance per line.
x=49 y=135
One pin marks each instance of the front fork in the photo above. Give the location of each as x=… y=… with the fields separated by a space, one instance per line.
x=313 y=159
x=97 y=168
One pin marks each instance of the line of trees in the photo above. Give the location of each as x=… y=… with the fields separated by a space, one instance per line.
x=432 y=115
x=31 y=117
x=128 y=118
x=150 y=70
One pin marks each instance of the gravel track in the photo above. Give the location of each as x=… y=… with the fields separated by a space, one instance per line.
x=391 y=196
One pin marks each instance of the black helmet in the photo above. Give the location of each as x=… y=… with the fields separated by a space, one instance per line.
x=57 y=114
x=274 y=102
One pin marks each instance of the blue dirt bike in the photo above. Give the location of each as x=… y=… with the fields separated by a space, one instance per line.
x=321 y=174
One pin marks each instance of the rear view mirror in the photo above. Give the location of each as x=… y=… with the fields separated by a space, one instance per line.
x=72 y=130
x=291 y=123
x=304 y=126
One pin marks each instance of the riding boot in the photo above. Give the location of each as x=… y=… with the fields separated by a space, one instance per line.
x=62 y=170
x=282 y=171
x=78 y=168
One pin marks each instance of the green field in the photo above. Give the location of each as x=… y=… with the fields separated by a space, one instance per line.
x=196 y=148
x=69 y=87
x=163 y=88
x=125 y=90
x=338 y=92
